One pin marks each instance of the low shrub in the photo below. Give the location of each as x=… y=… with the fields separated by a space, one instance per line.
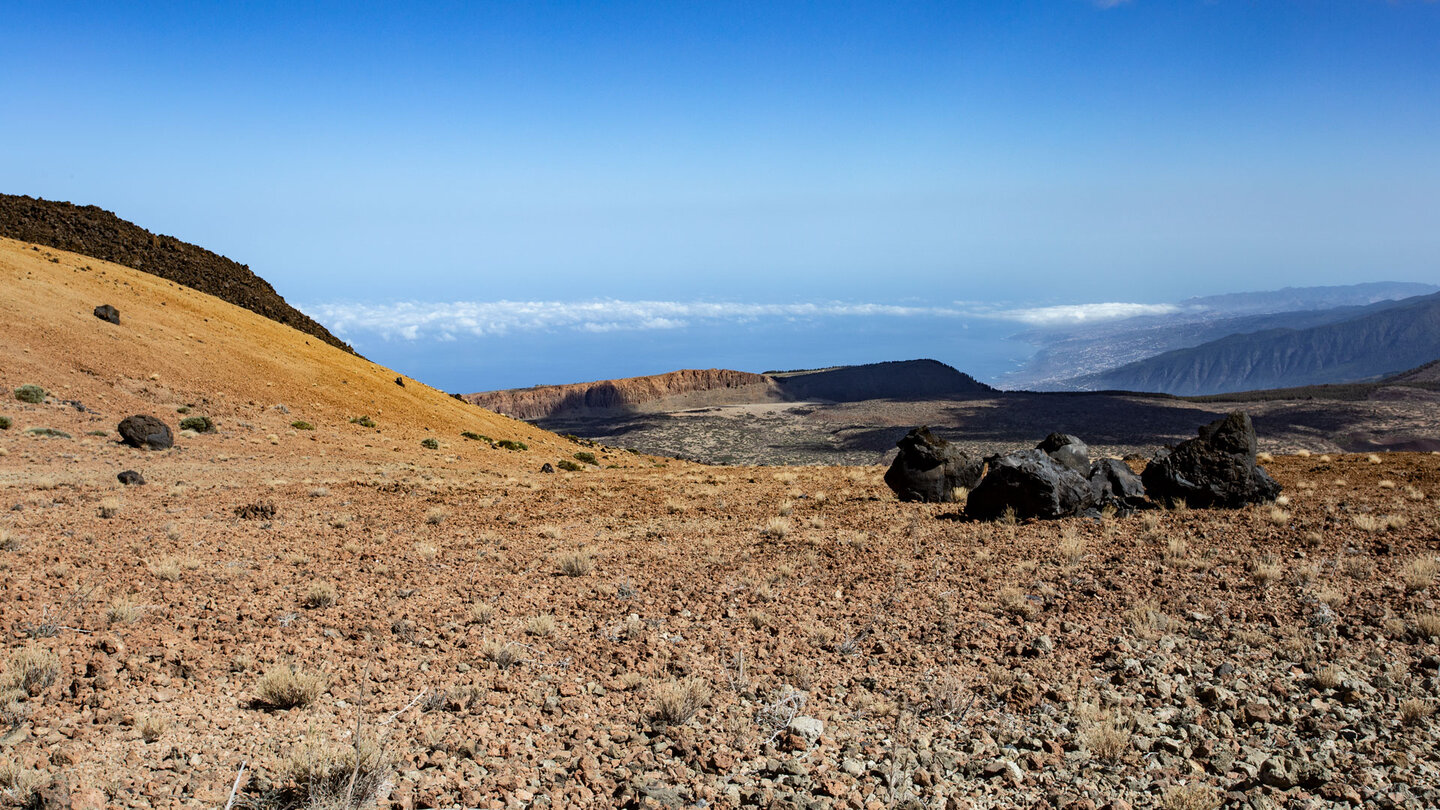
x=477 y=437
x=301 y=424
x=47 y=432
x=199 y=424
x=5 y=423
x=568 y=465
x=587 y=458
x=511 y=445
x=430 y=444
x=363 y=421
x=32 y=394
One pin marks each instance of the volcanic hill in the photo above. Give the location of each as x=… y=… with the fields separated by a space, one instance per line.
x=97 y=233
x=691 y=388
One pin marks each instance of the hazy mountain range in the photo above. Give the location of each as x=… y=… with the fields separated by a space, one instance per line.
x=1237 y=342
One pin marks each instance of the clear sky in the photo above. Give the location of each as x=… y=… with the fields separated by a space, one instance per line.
x=638 y=157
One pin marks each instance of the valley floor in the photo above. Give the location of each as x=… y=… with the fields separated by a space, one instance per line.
x=690 y=636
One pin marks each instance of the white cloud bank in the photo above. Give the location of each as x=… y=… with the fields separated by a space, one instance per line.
x=415 y=320
x=1076 y=314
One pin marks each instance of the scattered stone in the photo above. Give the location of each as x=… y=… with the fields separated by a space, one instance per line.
x=400 y=382
x=131 y=478
x=929 y=469
x=808 y=728
x=1113 y=484
x=146 y=432
x=105 y=312
x=1216 y=469
x=1068 y=450
x=1030 y=482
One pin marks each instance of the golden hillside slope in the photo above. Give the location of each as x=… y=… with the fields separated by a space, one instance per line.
x=175 y=346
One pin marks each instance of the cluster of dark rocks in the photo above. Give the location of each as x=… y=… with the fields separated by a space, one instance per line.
x=1056 y=479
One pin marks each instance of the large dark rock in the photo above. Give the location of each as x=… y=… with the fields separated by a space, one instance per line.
x=130 y=478
x=1068 y=450
x=930 y=468
x=1216 y=469
x=105 y=312
x=1033 y=484
x=1113 y=484
x=146 y=432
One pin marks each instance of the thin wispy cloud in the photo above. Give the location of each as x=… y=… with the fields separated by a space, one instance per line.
x=450 y=320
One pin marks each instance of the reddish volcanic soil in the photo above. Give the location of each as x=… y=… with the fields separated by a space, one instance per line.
x=658 y=635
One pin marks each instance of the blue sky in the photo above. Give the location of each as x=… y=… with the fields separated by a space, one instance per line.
x=921 y=155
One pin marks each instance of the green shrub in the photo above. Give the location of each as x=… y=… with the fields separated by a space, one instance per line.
x=569 y=466
x=588 y=458
x=45 y=431
x=301 y=424
x=430 y=444
x=477 y=437
x=199 y=424
x=363 y=421
x=183 y=409
x=32 y=394
x=509 y=445
x=5 y=423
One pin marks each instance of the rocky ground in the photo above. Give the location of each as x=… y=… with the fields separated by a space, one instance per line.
x=689 y=636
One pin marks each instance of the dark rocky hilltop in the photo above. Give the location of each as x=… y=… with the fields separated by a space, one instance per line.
x=95 y=232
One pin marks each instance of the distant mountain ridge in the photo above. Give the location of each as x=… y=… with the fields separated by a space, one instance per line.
x=1070 y=354
x=694 y=388
x=97 y=233
x=1379 y=340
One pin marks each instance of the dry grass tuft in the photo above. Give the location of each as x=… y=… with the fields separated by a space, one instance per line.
x=1420 y=573
x=576 y=564
x=122 y=611
x=1414 y=710
x=482 y=612
x=30 y=670
x=328 y=776
x=1072 y=545
x=319 y=595
x=1191 y=797
x=1277 y=516
x=288 y=687
x=152 y=727
x=109 y=507
x=1147 y=620
x=426 y=552
x=677 y=702
x=1104 y=738
x=436 y=516
x=1265 y=571
x=776 y=528
x=501 y=654
x=1016 y=602
x=1427 y=625
x=1329 y=678
x=542 y=626
x=168 y=569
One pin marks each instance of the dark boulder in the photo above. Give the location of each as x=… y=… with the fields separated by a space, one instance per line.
x=1033 y=484
x=929 y=468
x=130 y=478
x=1113 y=484
x=146 y=432
x=1068 y=450
x=1216 y=469
x=547 y=467
x=105 y=312
x=400 y=381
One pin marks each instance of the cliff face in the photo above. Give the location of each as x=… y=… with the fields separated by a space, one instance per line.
x=94 y=232
x=694 y=388
x=545 y=401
